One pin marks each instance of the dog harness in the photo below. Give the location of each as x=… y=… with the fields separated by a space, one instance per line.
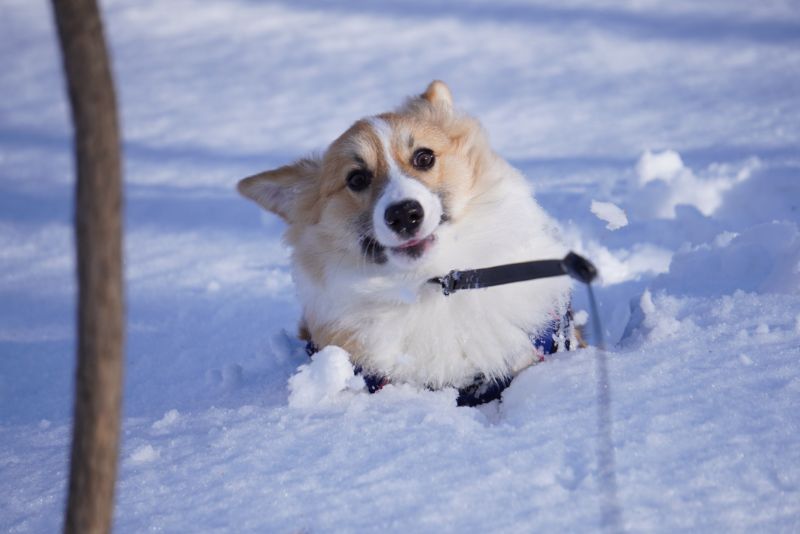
x=558 y=336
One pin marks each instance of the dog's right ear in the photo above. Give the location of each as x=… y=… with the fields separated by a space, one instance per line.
x=278 y=190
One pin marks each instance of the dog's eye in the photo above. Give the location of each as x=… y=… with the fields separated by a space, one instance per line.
x=358 y=179
x=423 y=159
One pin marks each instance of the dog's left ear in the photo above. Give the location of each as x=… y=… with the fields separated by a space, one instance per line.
x=438 y=94
x=278 y=190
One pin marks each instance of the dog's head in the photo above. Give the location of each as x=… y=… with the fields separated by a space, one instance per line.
x=386 y=186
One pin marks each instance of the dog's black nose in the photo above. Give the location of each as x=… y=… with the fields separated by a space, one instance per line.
x=404 y=217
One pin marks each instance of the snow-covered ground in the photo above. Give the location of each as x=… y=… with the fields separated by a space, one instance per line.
x=665 y=138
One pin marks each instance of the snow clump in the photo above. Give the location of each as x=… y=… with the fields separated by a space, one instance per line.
x=144 y=454
x=169 y=419
x=664 y=166
x=666 y=183
x=610 y=213
x=319 y=382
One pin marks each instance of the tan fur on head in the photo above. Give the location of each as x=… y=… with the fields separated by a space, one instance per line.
x=299 y=193
x=312 y=192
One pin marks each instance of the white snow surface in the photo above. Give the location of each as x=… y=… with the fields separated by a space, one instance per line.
x=685 y=115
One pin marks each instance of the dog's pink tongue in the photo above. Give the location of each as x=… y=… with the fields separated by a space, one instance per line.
x=412 y=243
x=417 y=242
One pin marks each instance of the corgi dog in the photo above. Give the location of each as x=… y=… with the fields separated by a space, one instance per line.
x=398 y=199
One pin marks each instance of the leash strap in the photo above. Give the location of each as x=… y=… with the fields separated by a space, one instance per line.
x=573 y=265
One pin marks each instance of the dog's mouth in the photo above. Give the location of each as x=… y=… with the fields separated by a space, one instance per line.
x=414 y=248
x=410 y=250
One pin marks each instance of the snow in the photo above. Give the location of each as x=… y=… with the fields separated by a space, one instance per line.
x=665 y=166
x=318 y=383
x=669 y=183
x=610 y=213
x=684 y=115
x=143 y=454
x=169 y=419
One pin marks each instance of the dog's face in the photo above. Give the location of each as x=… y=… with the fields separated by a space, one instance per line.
x=384 y=188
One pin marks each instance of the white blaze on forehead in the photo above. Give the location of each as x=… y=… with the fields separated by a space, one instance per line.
x=384 y=132
x=399 y=187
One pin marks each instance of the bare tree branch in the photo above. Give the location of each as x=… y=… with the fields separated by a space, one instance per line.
x=98 y=231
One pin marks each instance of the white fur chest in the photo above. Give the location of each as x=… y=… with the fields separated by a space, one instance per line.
x=436 y=340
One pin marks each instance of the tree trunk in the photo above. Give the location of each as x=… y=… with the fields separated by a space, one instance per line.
x=98 y=235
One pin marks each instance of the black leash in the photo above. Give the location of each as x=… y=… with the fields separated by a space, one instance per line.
x=584 y=271
x=573 y=265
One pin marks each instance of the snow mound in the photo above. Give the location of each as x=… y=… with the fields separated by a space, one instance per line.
x=319 y=382
x=660 y=320
x=169 y=419
x=763 y=259
x=664 y=166
x=144 y=454
x=666 y=183
x=610 y=213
